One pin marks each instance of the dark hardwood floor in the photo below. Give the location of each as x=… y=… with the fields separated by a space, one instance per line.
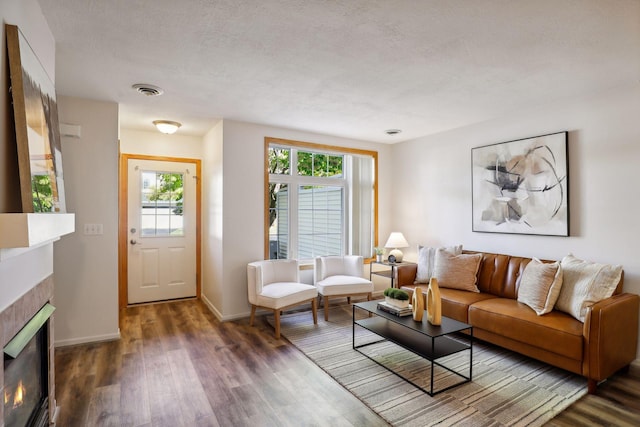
x=177 y=365
x=617 y=403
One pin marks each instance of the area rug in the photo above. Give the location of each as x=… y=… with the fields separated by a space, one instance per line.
x=507 y=389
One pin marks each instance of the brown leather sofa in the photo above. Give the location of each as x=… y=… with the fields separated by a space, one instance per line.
x=603 y=345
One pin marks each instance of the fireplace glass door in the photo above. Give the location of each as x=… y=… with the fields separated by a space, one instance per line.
x=25 y=384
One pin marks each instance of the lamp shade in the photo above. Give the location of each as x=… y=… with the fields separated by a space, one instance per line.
x=396 y=240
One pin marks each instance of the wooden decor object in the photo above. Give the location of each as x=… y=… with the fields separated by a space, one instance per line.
x=417 y=304
x=434 y=303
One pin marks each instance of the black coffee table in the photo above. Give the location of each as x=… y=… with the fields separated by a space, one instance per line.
x=422 y=338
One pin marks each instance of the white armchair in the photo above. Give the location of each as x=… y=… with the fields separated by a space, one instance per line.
x=340 y=276
x=275 y=285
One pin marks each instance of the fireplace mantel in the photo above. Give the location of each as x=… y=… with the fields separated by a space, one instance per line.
x=24 y=230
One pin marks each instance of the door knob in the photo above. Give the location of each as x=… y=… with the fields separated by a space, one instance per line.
x=133 y=242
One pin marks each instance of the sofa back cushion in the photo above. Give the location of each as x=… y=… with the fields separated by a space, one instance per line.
x=500 y=274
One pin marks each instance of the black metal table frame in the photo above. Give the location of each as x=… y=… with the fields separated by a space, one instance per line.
x=429 y=350
x=389 y=274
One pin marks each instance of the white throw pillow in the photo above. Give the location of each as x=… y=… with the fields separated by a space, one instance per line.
x=585 y=283
x=426 y=261
x=457 y=271
x=540 y=285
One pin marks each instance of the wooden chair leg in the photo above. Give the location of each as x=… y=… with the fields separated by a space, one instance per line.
x=348 y=300
x=369 y=296
x=592 y=386
x=314 y=310
x=253 y=314
x=276 y=315
x=326 y=308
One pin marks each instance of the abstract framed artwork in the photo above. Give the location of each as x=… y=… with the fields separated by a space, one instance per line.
x=522 y=186
x=37 y=128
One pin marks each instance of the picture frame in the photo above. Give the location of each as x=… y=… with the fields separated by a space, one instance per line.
x=522 y=186
x=37 y=129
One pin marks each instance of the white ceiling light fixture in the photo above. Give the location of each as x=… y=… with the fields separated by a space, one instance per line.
x=167 y=126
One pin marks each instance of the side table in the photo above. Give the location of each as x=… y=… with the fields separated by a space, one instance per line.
x=388 y=273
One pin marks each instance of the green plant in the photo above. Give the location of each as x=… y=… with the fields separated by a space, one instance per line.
x=395 y=293
x=378 y=251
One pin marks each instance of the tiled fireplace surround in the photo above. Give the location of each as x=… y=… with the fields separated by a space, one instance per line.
x=14 y=317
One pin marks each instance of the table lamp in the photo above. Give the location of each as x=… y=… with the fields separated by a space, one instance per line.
x=396 y=240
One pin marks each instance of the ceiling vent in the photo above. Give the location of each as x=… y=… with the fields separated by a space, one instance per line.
x=147 y=89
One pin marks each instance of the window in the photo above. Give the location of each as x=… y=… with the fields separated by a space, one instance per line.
x=320 y=200
x=161 y=204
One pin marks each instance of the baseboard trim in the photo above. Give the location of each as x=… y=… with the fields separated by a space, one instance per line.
x=211 y=307
x=219 y=315
x=87 y=340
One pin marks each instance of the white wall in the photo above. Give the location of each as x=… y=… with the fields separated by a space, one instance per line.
x=86 y=266
x=212 y=204
x=433 y=206
x=243 y=206
x=133 y=141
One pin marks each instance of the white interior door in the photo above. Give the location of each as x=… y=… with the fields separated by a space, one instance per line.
x=161 y=230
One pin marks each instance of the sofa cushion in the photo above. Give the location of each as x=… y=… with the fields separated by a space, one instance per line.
x=540 y=285
x=284 y=294
x=584 y=284
x=426 y=261
x=556 y=332
x=342 y=285
x=455 y=303
x=457 y=271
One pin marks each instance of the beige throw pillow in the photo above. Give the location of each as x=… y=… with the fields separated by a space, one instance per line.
x=426 y=261
x=457 y=271
x=585 y=283
x=540 y=285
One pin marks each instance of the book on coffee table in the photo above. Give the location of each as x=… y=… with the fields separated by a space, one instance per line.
x=396 y=311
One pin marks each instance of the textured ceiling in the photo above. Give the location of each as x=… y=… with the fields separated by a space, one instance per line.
x=347 y=68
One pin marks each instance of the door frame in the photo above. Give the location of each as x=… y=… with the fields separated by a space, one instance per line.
x=123 y=210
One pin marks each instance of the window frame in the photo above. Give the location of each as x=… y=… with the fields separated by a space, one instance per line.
x=323 y=148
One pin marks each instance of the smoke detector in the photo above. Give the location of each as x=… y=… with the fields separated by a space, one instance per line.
x=392 y=131
x=147 y=89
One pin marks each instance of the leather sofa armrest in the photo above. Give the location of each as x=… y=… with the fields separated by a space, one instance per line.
x=406 y=274
x=610 y=336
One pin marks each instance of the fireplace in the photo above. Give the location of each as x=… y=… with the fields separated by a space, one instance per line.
x=27 y=381
x=26 y=387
